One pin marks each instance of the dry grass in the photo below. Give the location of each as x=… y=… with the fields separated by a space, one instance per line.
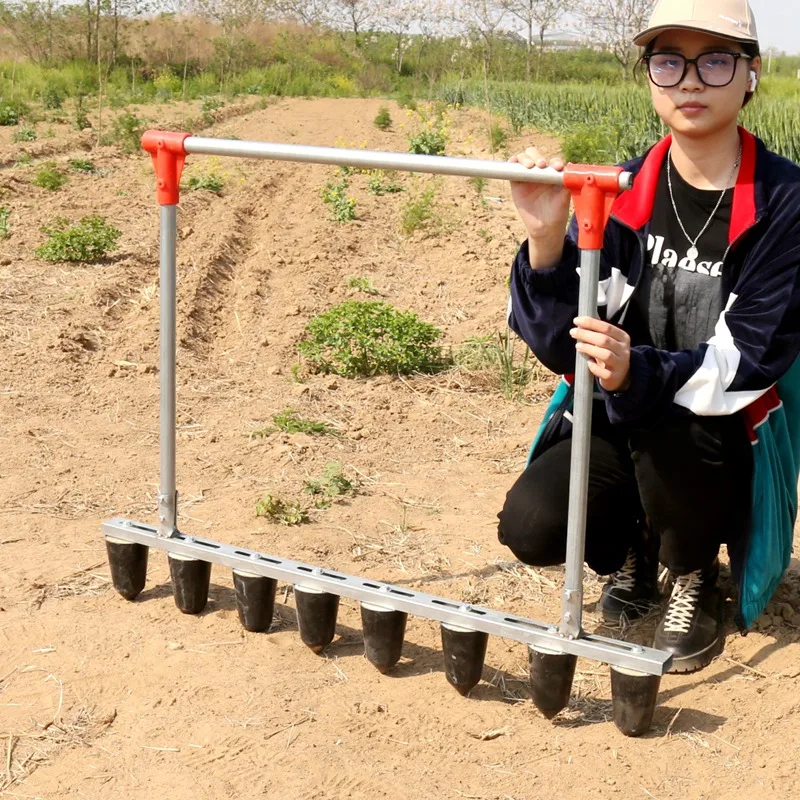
x=25 y=752
x=81 y=583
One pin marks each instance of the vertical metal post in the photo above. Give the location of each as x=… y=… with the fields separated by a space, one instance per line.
x=572 y=604
x=167 y=492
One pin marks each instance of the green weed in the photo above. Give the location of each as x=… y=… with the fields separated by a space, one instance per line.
x=210 y=182
x=24 y=134
x=5 y=228
x=81 y=165
x=280 y=511
x=52 y=98
x=342 y=207
x=428 y=143
x=10 y=113
x=420 y=212
x=333 y=483
x=126 y=132
x=89 y=240
x=478 y=184
x=498 y=137
x=49 y=177
x=362 y=284
x=364 y=338
x=289 y=421
x=498 y=356
x=382 y=182
x=383 y=120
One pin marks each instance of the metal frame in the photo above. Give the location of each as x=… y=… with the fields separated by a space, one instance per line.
x=593 y=190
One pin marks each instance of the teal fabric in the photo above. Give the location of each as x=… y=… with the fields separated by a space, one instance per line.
x=555 y=401
x=776 y=463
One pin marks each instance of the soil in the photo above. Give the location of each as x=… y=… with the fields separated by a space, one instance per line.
x=103 y=698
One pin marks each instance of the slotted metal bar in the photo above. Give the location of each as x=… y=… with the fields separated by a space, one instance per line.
x=509 y=626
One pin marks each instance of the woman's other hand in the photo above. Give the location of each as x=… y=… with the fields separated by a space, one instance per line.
x=608 y=349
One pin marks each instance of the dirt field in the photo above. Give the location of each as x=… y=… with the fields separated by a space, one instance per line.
x=101 y=698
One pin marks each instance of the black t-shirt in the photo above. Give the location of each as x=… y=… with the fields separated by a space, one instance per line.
x=680 y=294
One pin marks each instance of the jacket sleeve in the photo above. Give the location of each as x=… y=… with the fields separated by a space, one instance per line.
x=755 y=342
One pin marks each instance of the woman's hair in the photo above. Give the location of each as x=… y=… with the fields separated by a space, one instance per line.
x=751 y=49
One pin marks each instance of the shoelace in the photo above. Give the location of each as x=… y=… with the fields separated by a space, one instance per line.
x=683 y=602
x=626 y=577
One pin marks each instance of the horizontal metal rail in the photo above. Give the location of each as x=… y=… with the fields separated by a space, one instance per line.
x=372 y=159
x=508 y=626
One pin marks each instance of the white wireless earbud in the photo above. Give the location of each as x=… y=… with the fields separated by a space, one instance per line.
x=751 y=87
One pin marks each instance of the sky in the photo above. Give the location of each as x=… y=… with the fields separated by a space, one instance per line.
x=778 y=24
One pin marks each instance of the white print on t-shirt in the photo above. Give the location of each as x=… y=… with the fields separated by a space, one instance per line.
x=660 y=257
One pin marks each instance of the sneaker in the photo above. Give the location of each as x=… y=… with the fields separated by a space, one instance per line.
x=633 y=591
x=692 y=627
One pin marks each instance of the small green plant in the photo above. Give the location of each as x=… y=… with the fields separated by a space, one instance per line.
x=478 y=184
x=381 y=183
x=334 y=194
x=333 y=483
x=498 y=136
x=52 y=98
x=383 y=120
x=498 y=355
x=23 y=160
x=10 y=113
x=419 y=211
x=406 y=100
x=289 y=421
x=283 y=512
x=428 y=142
x=5 y=228
x=81 y=165
x=362 y=284
x=210 y=182
x=211 y=104
x=50 y=177
x=81 y=118
x=364 y=338
x=24 y=134
x=126 y=132
x=89 y=240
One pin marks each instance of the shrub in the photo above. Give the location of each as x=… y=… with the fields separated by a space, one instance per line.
x=383 y=120
x=334 y=194
x=126 y=132
x=368 y=338
x=428 y=143
x=284 y=512
x=52 y=98
x=50 y=177
x=11 y=112
x=419 y=212
x=26 y=134
x=211 y=182
x=86 y=241
x=81 y=165
x=5 y=228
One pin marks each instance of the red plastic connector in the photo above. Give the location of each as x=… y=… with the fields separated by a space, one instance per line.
x=168 y=154
x=594 y=190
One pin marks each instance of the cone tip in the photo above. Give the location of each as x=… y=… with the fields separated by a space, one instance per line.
x=549 y=713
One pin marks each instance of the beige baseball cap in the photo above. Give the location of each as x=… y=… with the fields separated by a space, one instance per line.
x=732 y=19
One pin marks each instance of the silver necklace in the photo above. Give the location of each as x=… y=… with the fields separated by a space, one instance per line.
x=693 y=252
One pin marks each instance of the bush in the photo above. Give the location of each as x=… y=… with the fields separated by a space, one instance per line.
x=5 y=228
x=383 y=120
x=419 y=211
x=52 y=98
x=368 y=338
x=81 y=165
x=428 y=143
x=26 y=134
x=50 y=177
x=86 y=241
x=127 y=131
x=343 y=208
x=10 y=113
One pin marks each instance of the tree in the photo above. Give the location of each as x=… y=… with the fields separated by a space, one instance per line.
x=614 y=23
x=308 y=12
x=482 y=21
x=541 y=15
x=399 y=17
x=356 y=15
x=32 y=25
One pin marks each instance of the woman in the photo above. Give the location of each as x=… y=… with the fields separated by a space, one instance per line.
x=696 y=429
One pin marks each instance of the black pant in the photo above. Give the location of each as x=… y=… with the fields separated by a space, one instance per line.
x=691 y=477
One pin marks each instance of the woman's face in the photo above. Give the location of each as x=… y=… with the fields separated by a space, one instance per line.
x=691 y=108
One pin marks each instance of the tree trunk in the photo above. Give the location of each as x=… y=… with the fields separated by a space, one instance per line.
x=115 y=38
x=88 y=30
x=541 y=50
x=529 y=54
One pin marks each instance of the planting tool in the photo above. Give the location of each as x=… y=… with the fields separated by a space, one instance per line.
x=553 y=649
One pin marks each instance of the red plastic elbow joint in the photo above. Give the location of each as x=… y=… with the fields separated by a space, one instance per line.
x=594 y=190
x=168 y=154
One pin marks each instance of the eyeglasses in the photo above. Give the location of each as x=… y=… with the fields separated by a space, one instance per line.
x=714 y=69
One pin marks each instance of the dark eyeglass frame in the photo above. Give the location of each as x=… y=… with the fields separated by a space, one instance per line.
x=688 y=61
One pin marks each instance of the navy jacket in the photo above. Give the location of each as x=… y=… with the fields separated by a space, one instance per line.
x=746 y=366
